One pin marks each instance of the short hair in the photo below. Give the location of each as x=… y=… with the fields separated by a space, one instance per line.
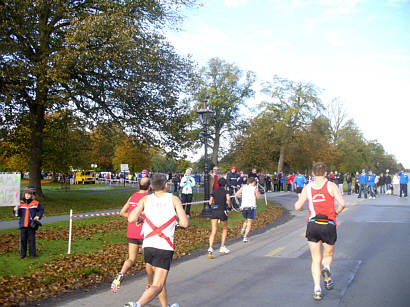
x=221 y=182
x=251 y=179
x=145 y=183
x=158 y=181
x=319 y=169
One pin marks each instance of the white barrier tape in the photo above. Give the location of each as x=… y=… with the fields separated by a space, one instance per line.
x=95 y=214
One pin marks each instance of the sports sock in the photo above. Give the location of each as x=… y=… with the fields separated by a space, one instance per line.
x=327 y=268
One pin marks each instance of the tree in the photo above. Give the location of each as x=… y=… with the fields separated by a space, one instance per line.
x=292 y=106
x=66 y=144
x=104 y=138
x=130 y=152
x=225 y=87
x=102 y=58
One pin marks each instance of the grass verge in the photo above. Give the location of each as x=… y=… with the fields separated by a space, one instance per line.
x=98 y=250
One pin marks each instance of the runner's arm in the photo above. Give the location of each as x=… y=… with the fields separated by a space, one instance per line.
x=124 y=210
x=211 y=200
x=302 y=199
x=339 y=198
x=182 y=218
x=228 y=200
x=239 y=193
x=257 y=194
x=133 y=216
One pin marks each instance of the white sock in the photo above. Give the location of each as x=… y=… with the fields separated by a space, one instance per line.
x=317 y=289
x=328 y=268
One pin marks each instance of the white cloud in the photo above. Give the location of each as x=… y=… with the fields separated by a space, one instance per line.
x=234 y=3
x=334 y=38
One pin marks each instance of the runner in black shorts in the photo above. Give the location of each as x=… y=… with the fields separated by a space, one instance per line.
x=319 y=232
x=321 y=229
x=219 y=200
x=159 y=258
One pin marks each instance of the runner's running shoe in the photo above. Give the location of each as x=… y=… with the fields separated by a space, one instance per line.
x=328 y=282
x=242 y=231
x=115 y=285
x=317 y=295
x=132 y=304
x=210 y=253
x=245 y=239
x=224 y=250
x=174 y=305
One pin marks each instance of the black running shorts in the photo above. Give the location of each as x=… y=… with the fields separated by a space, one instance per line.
x=159 y=258
x=299 y=190
x=319 y=232
x=135 y=241
x=219 y=215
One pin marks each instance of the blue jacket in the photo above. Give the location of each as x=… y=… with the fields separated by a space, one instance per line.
x=34 y=209
x=363 y=178
x=404 y=178
x=372 y=179
x=300 y=180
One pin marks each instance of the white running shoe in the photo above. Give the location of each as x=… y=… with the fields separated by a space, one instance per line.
x=115 y=285
x=132 y=304
x=242 y=231
x=210 y=253
x=224 y=250
x=174 y=305
x=245 y=239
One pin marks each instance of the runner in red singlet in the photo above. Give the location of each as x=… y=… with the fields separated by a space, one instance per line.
x=321 y=226
x=134 y=235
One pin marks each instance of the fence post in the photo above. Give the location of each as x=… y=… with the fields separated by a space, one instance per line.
x=69 y=232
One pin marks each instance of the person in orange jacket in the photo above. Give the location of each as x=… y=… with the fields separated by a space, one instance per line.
x=30 y=212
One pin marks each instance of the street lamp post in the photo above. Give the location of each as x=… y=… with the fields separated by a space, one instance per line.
x=204 y=117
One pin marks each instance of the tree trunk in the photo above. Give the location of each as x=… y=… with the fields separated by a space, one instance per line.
x=215 y=149
x=37 y=127
x=281 y=157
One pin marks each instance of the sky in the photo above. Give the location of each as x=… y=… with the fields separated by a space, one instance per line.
x=357 y=50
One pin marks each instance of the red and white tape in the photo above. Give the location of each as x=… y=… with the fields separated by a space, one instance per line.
x=95 y=214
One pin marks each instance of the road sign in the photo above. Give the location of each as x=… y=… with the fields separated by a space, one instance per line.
x=124 y=168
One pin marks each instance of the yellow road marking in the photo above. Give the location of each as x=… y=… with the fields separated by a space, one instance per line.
x=274 y=252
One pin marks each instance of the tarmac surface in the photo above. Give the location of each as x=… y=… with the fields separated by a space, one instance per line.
x=371 y=265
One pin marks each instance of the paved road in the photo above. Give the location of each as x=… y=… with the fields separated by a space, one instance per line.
x=371 y=267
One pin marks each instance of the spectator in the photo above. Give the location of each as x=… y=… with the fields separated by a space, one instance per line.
x=363 y=180
x=176 y=180
x=356 y=183
x=30 y=212
x=213 y=179
x=289 y=182
x=349 y=183
x=187 y=184
x=387 y=181
x=404 y=180
x=372 y=185
x=268 y=183
x=396 y=184
x=382 y=184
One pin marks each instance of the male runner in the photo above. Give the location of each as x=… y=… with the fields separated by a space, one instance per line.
x=134 y=235
x=249 y=193
x=161 y=211
x=321 y=227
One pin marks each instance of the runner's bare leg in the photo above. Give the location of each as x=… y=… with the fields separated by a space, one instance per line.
x=158 y=284
x=315 y=251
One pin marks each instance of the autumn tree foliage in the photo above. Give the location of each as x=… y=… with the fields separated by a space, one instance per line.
x=105 y=59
